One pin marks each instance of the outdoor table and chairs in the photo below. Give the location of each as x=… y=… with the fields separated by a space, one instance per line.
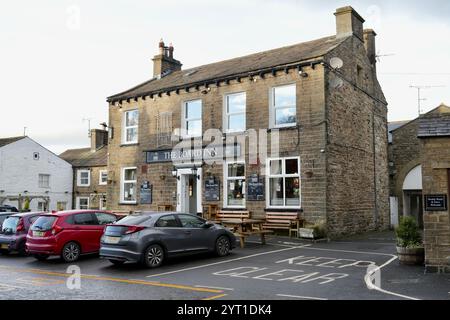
x=244 y=228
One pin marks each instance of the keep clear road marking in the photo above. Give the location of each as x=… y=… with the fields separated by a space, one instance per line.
x=227 y=261
x=300 y=297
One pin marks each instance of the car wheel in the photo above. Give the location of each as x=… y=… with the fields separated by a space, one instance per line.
x=153 y=256
x=223 y=246
x=22 y=251
x=117 y=262
x=41 y=257
x=71 y=252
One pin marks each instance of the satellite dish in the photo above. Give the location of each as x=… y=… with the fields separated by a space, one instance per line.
x=336 y=83
x=336 y=63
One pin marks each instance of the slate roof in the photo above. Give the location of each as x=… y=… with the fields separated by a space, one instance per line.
x=434 y=126
x=6 y=141
x=85 y=157
x=234 y=67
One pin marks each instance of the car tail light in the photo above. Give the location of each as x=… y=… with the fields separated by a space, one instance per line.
x=20 y=225
x=134 y=229
x=56 y=229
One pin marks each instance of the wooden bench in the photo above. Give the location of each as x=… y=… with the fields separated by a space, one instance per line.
x=232 y=215
x=282 y=221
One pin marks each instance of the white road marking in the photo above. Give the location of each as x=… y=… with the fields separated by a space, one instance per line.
x=300 y=297
x=349 y=251
x=218 y=288
x=372 y=286
x=227 y=261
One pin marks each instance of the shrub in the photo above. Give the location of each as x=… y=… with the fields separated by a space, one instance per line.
x=408 y=234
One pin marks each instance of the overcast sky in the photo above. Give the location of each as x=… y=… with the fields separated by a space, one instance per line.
x=60 y=59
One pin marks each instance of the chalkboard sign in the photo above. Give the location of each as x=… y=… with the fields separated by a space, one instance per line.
x=436 y=203
x=146 y=193
x=255 y=188
x=212 y=189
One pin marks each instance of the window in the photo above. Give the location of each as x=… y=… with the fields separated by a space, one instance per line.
x=82 y=203
x=284 y=183
x=41 y=206
x=234 y=185
x=130 y=127
x=83 y=178
x=44 y=181
x=85 y=219
x=61 y=206
x=190 y=221
x=104 y=218
x=102 y=204
x=283 y=109
x=192 y=118
x=129 y=182
x=167 y=222
x=103 y=177
x=234 y=115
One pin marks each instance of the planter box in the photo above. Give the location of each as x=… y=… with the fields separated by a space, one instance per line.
x=414 y=256
x=306 y=233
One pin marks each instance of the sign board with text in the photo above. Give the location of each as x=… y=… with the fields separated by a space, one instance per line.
x=436 y=202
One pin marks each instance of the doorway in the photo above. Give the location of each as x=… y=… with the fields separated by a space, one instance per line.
x=413 y=205
x=189 y=198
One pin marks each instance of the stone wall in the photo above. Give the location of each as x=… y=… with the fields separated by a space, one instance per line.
x=94 y=188
x=436 y=155
x=357 y=145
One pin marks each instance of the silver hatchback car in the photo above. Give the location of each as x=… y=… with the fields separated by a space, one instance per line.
x=151 y=237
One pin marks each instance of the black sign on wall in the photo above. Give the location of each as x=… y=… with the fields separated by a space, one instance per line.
x=436 y=202
x=212 y=189
x=255 y=188
x=146 y=193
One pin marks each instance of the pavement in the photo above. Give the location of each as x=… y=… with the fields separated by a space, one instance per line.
x=283 y=269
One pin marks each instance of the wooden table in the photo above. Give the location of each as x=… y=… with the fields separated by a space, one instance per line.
x=210 y=212
x=245 y=228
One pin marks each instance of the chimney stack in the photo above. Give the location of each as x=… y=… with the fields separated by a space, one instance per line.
x=164 y=62
x=99 y=138
x=349 y=22
x=369 y=44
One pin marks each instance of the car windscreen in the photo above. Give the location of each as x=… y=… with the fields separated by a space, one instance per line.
x=133 y=220
x=43 y=223
x=10 y=225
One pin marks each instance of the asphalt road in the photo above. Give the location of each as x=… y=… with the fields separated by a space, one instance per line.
x=282 y=269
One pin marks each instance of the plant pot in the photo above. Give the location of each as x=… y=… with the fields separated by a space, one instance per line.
x=411 y=256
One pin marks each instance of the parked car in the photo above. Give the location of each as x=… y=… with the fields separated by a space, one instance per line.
x=3 y=216
x=13 y=234
x=7 y=208
x=151 y=237
x=68 y=234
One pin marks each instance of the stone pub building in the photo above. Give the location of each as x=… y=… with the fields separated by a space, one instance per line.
x=317 y=103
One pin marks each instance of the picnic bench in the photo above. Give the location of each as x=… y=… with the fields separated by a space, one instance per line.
x=242 y=225
x=283 y=221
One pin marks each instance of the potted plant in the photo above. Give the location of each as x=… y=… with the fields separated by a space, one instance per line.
x=313 y=231
x=409 y=242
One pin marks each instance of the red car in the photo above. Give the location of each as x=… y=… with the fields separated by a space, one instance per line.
x=68 y=234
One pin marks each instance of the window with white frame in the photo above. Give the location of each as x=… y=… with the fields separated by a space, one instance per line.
x=41 y=207
x=83 y=178
x=129 y=183
x=234 y=113
x=192 y=118
x=130 y=127
x=283 y=108
x=44 y=181
x=82 y=203
x=103 y=177
x=283 y=183
x=234 y=186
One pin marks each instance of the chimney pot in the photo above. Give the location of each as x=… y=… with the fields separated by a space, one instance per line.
x=349 y=22
x=164 y=62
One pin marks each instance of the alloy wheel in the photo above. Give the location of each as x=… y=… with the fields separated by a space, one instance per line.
x=71 y=252
x=154 y=256
x=223 y=246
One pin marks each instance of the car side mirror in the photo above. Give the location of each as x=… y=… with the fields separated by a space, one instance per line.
x=208 y=225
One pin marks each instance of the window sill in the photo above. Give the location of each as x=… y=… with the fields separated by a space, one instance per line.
x=128 y=203
x=84 y=186
x=281 y=209
x=289 y=127
x=129 y=144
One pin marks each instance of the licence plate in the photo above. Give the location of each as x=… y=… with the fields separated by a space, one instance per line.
x=4 y=246
x=38 y=233
x=112 y=240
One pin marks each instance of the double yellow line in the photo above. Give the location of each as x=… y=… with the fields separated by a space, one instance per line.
x=120 y=280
